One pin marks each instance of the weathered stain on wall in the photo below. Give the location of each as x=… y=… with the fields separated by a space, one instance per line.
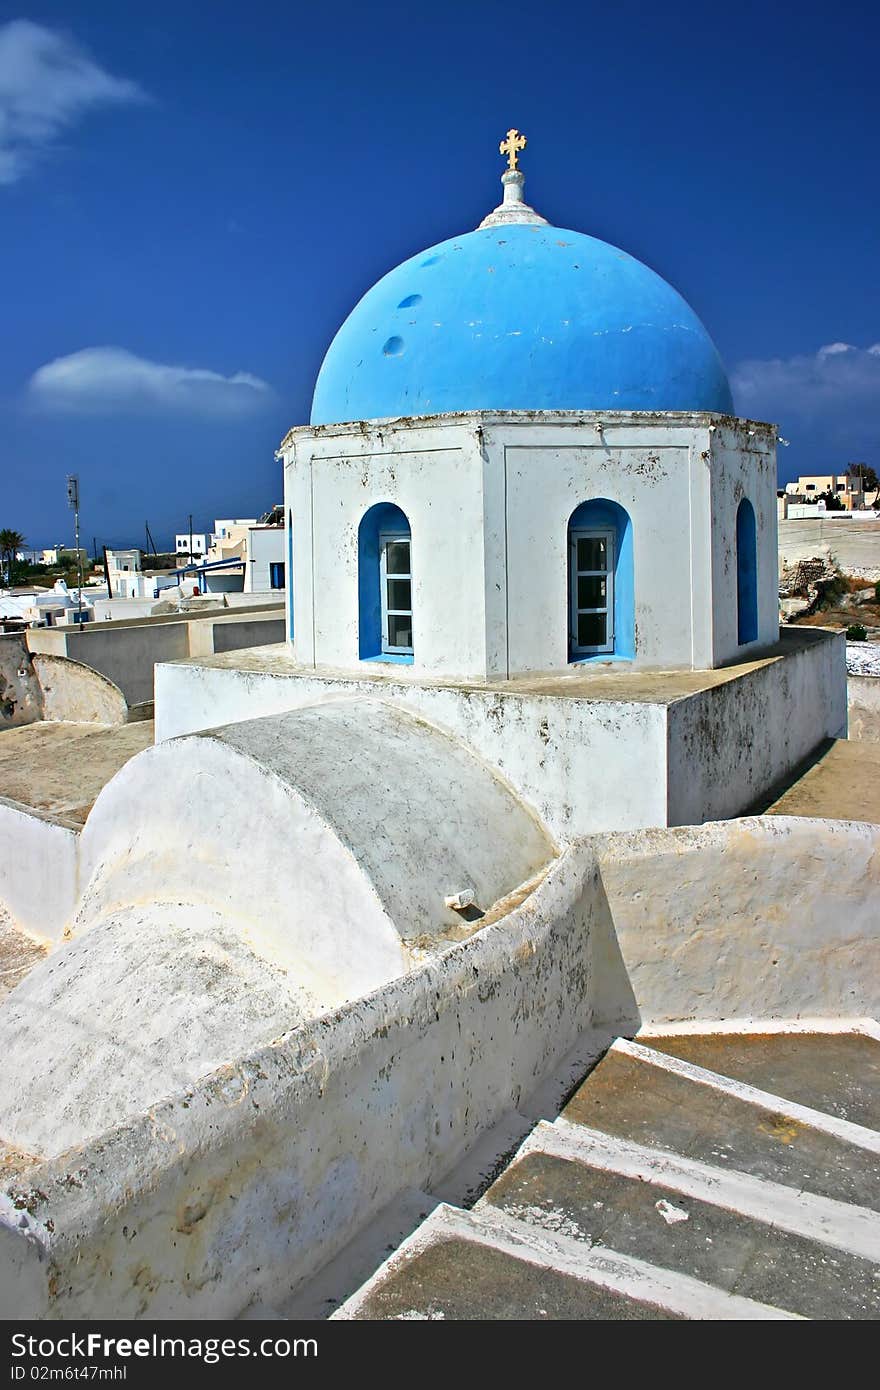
x=863 y=706
x=21 y=700
x=74 y=693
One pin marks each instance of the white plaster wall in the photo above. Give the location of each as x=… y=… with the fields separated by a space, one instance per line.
x=235 y=839
x=646 y=471
x=266 y=546
x=583 y=766
x=436 y=479
x=732 y=744
x=764 y=918
x=118 y=609
x=354 y=821
x=863 y=707
x=76 y=693
x=39 y=870
x=743 y=464
x=126 y=655
x=141 y=1006
x=236 y=1188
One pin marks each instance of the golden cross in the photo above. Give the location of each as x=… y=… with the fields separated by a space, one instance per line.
x=510 y=146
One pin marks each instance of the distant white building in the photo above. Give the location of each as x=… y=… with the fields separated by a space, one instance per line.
x=267 y=569
x=124 y=572
x=127 y=579
x=848 y=487
x=195 y=545
x=229 y=537
x=58 y=554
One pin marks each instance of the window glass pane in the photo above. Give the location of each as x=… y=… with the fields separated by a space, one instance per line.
x=592 y=629
x=397 y=557
x=399 y=630
x=592 y=553
x=399 y=594
x=592 y=591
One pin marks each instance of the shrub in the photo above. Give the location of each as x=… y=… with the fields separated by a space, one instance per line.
x=856 y=633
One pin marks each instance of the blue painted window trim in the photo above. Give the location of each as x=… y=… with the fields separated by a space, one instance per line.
x=746 y=574
x=386 y=519
x=601 y=514
x=393 y=658
x=289 y=574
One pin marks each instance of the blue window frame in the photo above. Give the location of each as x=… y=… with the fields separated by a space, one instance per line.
x=601 y=592
x=746 y=573
x=385 y=609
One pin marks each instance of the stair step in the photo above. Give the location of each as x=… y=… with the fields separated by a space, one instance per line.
x=643 y=1216
x=486 y=1265
x=634 y=1099
x=838 y=1073
x=859 y=1135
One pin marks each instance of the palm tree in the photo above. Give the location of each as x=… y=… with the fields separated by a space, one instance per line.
x=10 y=543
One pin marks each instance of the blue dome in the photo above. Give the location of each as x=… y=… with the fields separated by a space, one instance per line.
x=519 y=318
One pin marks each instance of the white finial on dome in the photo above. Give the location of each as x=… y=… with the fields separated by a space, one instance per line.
x=513 y=207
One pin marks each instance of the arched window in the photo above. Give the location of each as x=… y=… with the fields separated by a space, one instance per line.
x=385 y=617
x=746 y=573
x=601 y=597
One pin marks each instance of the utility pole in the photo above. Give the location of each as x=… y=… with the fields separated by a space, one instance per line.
x=191 y=556
x=73 y=503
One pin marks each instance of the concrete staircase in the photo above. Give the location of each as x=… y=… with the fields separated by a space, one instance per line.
x=715 y=1175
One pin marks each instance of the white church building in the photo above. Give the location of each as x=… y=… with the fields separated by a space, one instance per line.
x=531 y=594
x=524 y=492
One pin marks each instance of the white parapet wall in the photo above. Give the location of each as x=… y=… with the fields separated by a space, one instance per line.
x=127 y=652
x=769 y=917
x=77 y=694
x=235 y=1188
x=39 y=870
x=731 y=744
x=614 y=752
x=863 y=707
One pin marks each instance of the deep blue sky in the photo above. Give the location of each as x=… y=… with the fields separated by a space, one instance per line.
x=226 y=181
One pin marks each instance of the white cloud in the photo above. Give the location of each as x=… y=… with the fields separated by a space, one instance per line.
x=836 y=386
x=47 y=82
x=832 y=349
x=110 y=380
x=825 y=403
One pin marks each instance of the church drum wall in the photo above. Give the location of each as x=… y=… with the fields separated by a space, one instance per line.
x=435 y=478
x=742 y=467
x=650 y=483
x=489 y=497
